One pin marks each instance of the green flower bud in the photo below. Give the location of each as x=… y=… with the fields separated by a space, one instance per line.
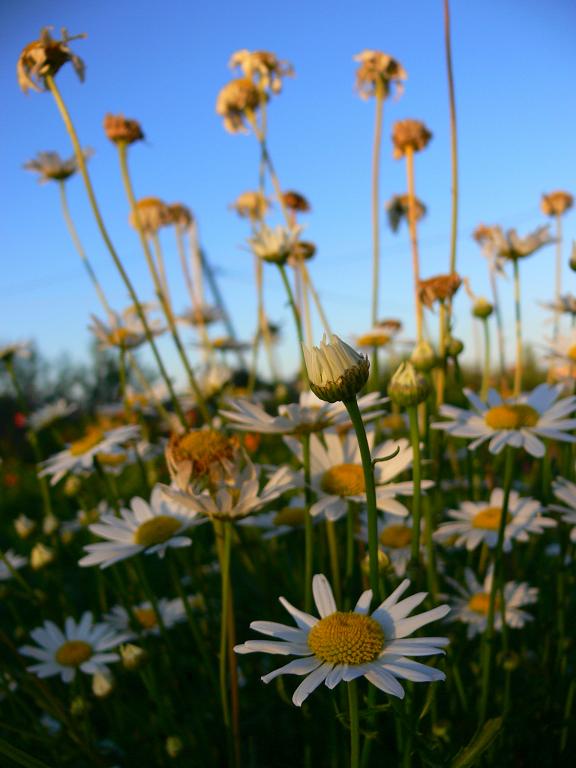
x=335 y=370
x=408 y=387
x=455 y=347
x=482 y=308
x=423 y=357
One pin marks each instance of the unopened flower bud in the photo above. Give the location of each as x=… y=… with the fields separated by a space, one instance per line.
x=102 y=685
x=408 y=387
x=383 y=563
x=49 y=524
x=79 y=706
x=423 y=357
x=72 y=485
x=335 y=370
x=572 y=261
x=482 y=308
x=174 y=746
x=133 y=657
x=455 y=347
x=40 y=556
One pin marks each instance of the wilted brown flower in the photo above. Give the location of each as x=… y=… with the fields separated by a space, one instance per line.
x=556 y=203
x=296 y=202
x=152 y=214
x=483 y=234
x=303 y=250
x=235 y=101
x=409 y=135
x=180 y=215
x=378 y=68
x=44 y=57
x=438 y=288
x=51 y=167
x=398 y=208
x=122 y=130
x=251 y=205
x=262 y=67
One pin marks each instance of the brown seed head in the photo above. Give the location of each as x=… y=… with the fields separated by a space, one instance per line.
x=398 y=208
x=296 y=202
x=151 y=214
x=438 y=288
x=263 y=68
x=236 y=101
x=409 y=135
x=378 y=72
x=251 y=205
x=180 y=215
x=44 y=57
x=303 y=250
x=122 y=130
x=556 y=203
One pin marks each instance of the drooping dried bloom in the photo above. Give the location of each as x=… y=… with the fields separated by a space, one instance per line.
x=556 y=203
x=236 y=101
x=378 y=69
x=303 y=250
x=152 y=215
x=409 y=135
x=51 y=167
x=398 y=208
x=438 y=288
x=251 y=205
x=262 y=67
x=274 y=245
x=509 y=245
x=180 y=215
x=44 y=57
x=296 y=202
x=122 y=130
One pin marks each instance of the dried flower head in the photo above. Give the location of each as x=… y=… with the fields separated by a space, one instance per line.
x=51 y=167
x=296 y=202
x=556 y=203
x=263 y=68
x=303 y=250
x=378 y=70
x=180 y=215
x=409 y=136
x=251 y=205
x=122 y=130
x=150 y=215
x=438 y=288
x=44 y=57
x=236 y=103
x=398 y=208
x=509 y=245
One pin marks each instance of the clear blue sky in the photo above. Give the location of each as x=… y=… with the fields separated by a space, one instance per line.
x=164 y=63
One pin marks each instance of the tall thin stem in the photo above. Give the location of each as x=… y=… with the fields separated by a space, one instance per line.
x=354 y=724
x=414 y=243
x=496 y=588
x=499 y=321
x=486 y=372
x=518 y=312
x=453 y=139
x=376 y=151
x=558 y=273
x=416 y=480
x=370 y=486
x=80 y=159
x=308 y=524
x=297 y=319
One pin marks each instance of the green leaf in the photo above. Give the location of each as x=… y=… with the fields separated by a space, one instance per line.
x=470 y=754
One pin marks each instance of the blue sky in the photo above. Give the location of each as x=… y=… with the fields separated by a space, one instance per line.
x=514 y=62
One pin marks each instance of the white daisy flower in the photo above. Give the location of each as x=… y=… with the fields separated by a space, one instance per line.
x=235 y=495
x=518 y=422
x=478 y=522
x=172 y=611
x=566 y=491
x=341 y=646
x=290 y=517
x=337 y=475
x=15 y=561
x=146 y=527
x=18 y=349
x=394 y=539
x=79 y=456
x=84 y=645
x=471 y=605
x=50 y=413
x=309 y=415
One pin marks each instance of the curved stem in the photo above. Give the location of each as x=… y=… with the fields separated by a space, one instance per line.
x=49 y=80
x=367 y=466
x=518 y=371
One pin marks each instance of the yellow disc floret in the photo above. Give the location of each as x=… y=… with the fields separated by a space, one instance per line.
x=343 y=480
x=92 y=437
x=511 y=416
x=396 y=536
x=290 y=516
x=146 y=617
x=203 y=448
x=346 y=638
x=480 y=602
x=157 y=530
x=373 y=340
x=73 y=653
x=489 y=518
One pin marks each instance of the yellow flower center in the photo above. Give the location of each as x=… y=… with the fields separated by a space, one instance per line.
x=92 y=437
x=511 y=417
x=346 y=638
x=73 y=653
x=145 y=617
x=119 y=336
x=394 y=422
x=343 y=480
x=203 y=447
x=571 y=353
x=157 y=530
x=290 y=516
x=480 y=602
x=489 y=518
x=373 y=340
x=396 y=536
x=111 y=459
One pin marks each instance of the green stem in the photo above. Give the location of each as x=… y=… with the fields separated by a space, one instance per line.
x=80 y=159
x=488 y=650
x=558 y=272
x=486 y=372
x=518 y=371
x=367 y=466
x=334 y=559
x=297 y=319
x=453 y=140
x=417 y=497
x=376 y=199
x=499 y=321
x=308 y=524
x=354 y=724
x=223 y=532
